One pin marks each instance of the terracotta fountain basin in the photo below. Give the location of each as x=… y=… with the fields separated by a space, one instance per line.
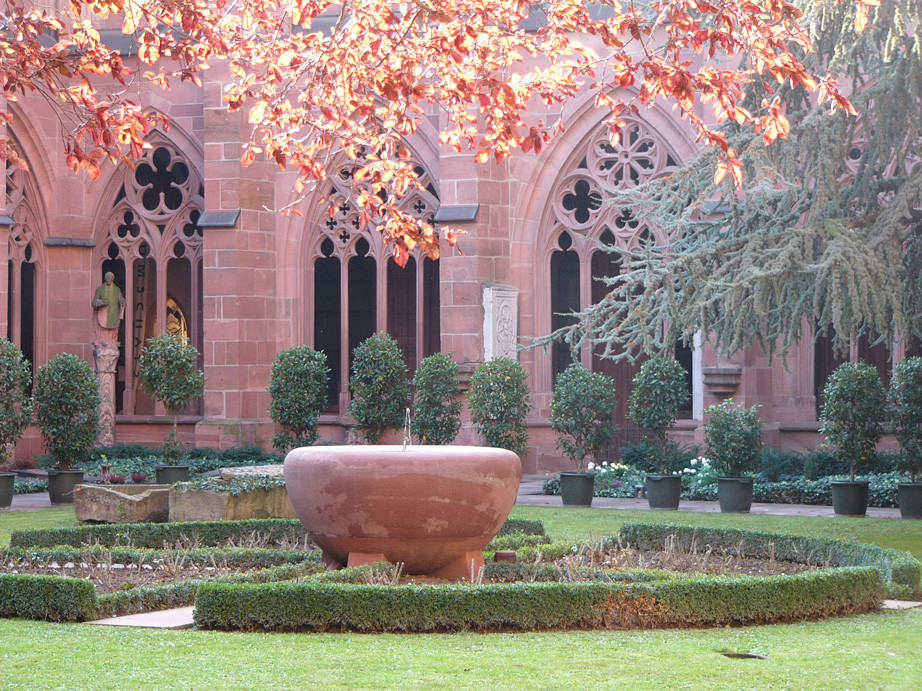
x=432 y=508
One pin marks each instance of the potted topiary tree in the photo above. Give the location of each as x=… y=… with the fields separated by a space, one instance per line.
x=66 y=404
x=380 y=390
x=581 y=414
x=854 y=410
x=733 y=436
x=659 y=391
x=905 y=398
x=499 y=400
x=15 y=411
x=298 y=387
x=168 y=370
x=436 y=406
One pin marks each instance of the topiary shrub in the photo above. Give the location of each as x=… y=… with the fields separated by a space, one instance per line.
x=436 y=408
x=659 y=391
x=733 y=436
x=168 y=371
x=499 y=400
x=581 y=413
x=854 y=410
x=380 y=391
x=298 y=387
x=905 y=397
x=66 y=403
x=15 y=400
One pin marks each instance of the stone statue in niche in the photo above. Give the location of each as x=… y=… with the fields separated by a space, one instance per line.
x=109 y=305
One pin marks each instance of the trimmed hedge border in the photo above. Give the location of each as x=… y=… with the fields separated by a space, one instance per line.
x=59 y=598
x=182 y=594
x=153 y=535
x=694 y=601
x=239 y=557
x=205 y=533
x=899 y=570
x=860 y=578
x=51 y=598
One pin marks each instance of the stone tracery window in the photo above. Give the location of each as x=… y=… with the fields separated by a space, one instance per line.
x=358 y=288
x=24 y=259
x=152 y=242
x=582 y=220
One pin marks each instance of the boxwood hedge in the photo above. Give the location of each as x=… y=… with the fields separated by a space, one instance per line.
x=899 y=570
x=688 y=601
x=152 y=535
x=296 y=596
x=58 y=598
x=204 y=533
x=51 y=598
x=855 y=579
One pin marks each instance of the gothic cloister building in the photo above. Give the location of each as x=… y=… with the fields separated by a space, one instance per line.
x=199 y=247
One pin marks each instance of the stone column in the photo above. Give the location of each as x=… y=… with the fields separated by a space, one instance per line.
x=106 y=359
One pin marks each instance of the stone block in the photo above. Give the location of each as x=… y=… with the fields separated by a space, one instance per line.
x=212 y=505
x=122 y=503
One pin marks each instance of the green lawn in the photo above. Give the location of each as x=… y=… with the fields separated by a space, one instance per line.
x=876 y=651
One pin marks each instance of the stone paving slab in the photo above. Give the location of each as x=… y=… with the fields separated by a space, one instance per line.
x=900 y=604
x=179 y=618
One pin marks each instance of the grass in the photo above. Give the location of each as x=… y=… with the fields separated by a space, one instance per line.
x=875 y=651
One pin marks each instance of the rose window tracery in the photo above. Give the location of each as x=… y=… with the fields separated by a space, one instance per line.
x=581 y=197
x=343 y=225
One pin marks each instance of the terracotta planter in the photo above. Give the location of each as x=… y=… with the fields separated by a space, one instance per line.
x=734 y=494
x=61 y=484
x=849 y=498
x=7 y=480
x=910 y=498
x=432 y=508
x=664 y=492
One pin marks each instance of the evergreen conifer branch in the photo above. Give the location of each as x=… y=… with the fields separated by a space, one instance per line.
x=824 y=236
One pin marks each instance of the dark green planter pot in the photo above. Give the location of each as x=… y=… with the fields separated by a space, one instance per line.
x=664 y=492
x=849 y=498
x=61 y=485
x=576 y=489
x=734 y=494
x=6 y=490
x=910 y=497
x=168 y=474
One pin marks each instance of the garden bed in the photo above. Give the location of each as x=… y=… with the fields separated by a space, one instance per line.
x=265 y=575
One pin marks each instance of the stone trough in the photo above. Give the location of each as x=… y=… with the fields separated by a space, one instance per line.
x=122 y=503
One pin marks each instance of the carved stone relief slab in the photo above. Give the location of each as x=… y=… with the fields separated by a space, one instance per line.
x=500 y=322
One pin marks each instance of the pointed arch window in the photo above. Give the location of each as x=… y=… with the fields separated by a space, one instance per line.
x=358 y=288
x=583 y=221
x=24 y=259
x=152 y=242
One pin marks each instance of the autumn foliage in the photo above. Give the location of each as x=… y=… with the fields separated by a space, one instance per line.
x=321 y=79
